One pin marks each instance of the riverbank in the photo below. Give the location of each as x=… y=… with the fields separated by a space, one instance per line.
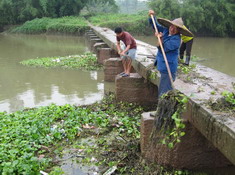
x=65 y=25
x=135 y=24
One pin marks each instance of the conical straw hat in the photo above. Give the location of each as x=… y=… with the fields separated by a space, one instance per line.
x=178 y=22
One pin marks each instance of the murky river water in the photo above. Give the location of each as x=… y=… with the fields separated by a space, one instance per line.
x=22 y=86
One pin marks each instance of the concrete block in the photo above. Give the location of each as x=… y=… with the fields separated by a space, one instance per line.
x=112 y=67
x=193 y=152
x=135 y=89
x=93 y=42
x=146 y=127
x=99 y=45
x=105 y=53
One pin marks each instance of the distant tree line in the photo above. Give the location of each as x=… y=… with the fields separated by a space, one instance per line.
x=131 y=6
x=204 y=17
x=19 y=11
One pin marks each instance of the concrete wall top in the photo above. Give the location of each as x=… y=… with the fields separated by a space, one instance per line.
x=218 y=127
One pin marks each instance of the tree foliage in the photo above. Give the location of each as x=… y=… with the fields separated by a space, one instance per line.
x=97 y=7
x=131 y=6
x=210 y=17
x=19 y=11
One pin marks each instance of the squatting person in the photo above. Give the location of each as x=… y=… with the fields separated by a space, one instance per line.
x=128 y=53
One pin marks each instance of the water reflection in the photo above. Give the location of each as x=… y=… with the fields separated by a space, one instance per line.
x=22 y=86
x=43 y=87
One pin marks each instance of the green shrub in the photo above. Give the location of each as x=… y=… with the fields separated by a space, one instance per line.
x=35 y=26
x=134 y=24
x=65 y=25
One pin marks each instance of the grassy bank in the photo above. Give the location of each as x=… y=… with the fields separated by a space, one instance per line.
x=65 y=25
x=135 y=23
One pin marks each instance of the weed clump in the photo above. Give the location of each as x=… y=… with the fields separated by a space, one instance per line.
x=225 y=104
x=87 y=61
x=169 y=124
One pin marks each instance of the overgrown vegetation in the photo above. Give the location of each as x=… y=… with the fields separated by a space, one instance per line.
x=65 y=25
x=226 y=103
x=19 y=11
x=135 y=23
x=25 y=135
x=98 y=7
x=131 y=6
x=169 y=124
x=88 y=61
x=182 y=69
x=33 y=140
x=187 y=73
x=200 y=16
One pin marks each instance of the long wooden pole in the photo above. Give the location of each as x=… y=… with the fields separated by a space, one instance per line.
x=163 y=52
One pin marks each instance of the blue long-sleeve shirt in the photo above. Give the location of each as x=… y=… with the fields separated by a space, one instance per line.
x=171 y=45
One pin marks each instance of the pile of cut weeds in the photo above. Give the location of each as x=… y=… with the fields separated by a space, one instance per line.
x=226 y=103
x=222 y=105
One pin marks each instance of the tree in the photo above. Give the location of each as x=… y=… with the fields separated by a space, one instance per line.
x=131 y=6
x=18 y=11
x=166 y=8
x=210 y=17
x=94 y=7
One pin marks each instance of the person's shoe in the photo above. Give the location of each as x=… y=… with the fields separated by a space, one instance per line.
x=122 y=73
x=153 y=113
x=187 y=60
x=125 y=75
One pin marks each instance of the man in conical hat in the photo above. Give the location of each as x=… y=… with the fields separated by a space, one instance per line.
x=169 y=32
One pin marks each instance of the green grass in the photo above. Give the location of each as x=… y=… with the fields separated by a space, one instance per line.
x=65 y=25
x=135 y=23
x=88 y=61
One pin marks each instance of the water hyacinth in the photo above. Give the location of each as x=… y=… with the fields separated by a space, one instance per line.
x=28 y=138
x=87 y=61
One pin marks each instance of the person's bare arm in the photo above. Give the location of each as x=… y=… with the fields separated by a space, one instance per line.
x=119 y=47
x=126 y=49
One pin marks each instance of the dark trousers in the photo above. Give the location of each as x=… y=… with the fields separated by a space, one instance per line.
x=186 y=46
x=165 y=83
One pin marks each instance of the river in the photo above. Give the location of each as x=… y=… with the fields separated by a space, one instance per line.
x=22 y=86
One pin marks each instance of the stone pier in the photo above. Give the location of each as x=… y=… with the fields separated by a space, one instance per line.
x=98 y=46
x=193 y=152
x=134 y=89
x=112 y=67
x=105 y=53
